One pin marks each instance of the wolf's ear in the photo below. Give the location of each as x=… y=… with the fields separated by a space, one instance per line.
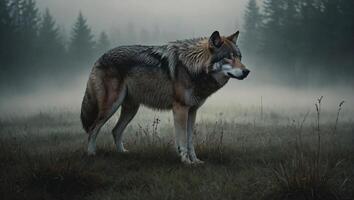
x=233 y=37
x=215 y=40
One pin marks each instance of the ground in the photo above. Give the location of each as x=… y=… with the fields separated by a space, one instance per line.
x=272 y=156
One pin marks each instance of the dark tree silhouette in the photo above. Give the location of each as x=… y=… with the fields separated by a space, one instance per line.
x=271 y=28
x=82 y=45
x=252 y=21
x=299 y=39
x=15 y=9
x=103 y=43
x=50 y=45
x=302 y=39
x=6 y=31
x=29 y=29
x=32 y=45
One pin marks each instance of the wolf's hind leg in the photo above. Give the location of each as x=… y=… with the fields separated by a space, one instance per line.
x=126 y=115
x=109 y=100
x=91 y=147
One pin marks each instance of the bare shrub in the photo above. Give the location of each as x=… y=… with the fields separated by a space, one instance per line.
x=306 y=174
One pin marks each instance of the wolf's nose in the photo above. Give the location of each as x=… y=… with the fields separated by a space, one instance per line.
x=245 y=72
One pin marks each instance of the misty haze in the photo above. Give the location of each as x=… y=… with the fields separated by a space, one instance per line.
x=287 y=128
x=157 y=22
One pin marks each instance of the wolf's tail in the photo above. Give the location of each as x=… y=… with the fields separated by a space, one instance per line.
x=89 y=109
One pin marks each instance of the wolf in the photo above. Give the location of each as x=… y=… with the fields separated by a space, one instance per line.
x=177 y=76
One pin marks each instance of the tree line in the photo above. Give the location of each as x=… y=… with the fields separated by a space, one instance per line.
x=32 y=44
x=302 y=39
x=297 y=39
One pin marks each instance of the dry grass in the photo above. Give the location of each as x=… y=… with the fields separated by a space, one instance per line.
x=43 y=157
x=308 y=172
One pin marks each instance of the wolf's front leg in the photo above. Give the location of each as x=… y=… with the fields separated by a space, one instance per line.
x=180 y=115
x=190 y=127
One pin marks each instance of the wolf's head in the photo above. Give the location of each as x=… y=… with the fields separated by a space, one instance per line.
x=226 y=56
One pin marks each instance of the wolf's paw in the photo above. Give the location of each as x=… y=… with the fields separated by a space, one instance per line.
x=91 y=153
x=197 y=162
x=91 y=150
x=123 y=151
x=185 y=158
x=186 y=161
x=193 y=158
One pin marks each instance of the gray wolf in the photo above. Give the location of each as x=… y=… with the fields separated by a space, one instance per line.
x=178 y=76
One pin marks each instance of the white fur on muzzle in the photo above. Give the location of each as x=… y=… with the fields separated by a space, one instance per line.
x=232 y=72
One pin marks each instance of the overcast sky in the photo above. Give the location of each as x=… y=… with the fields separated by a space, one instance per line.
x=187 y=17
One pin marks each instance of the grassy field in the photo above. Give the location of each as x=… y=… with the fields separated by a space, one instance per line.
x=247 y=156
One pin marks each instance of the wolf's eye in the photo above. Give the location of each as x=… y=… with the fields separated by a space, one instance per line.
x=230 y=56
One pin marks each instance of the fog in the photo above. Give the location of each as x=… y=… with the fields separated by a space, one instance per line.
x=196 y=18
x=236 y=100
x=289 y=69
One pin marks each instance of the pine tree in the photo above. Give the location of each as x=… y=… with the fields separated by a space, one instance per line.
x=82 y=44
x=6 y=30
x=103 y=43
x=15 y=10
x=346 y=21
x=28 y=30
x=5 y=20
x=24 y=20
x=30 y=18
x=272 y=38
x=251 y=37
x=49 y=41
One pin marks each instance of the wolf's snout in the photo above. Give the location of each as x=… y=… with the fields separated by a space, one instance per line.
x=245 y=72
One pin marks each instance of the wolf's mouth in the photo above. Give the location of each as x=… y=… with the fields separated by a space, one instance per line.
x=233 y=76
